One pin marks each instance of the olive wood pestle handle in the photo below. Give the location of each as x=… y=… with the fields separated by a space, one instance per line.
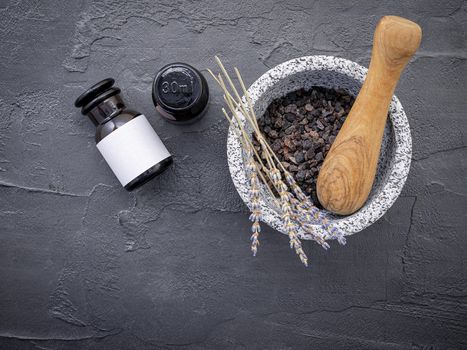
x=347 y=175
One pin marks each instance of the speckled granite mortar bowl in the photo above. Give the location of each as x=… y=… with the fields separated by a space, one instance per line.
x=330 y=72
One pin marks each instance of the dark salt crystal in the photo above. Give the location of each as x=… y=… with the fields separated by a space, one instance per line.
x=300 y=103
x=273 y=134
x=319 y=156
x=301 y=128
x=290 y=117
x=299 y=157
x=289 y=143
x=292 y=159
x=278 y=123
x=291 y=108
x=314 y=135
x=310 y=153
x=277 y=145
x=297 y=143
x=307 y=143
x=313 y=162
x=300 y=176
x=290 y=129
x=293 y=168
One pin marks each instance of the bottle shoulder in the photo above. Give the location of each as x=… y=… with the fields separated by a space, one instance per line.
x=105 y=129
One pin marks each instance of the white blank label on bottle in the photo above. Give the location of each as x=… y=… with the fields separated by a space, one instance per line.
x=132 y=149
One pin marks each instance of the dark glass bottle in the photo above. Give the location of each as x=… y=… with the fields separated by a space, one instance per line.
x=124 y=137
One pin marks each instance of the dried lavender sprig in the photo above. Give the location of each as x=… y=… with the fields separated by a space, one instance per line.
x=251 y=165
x=301 y=214
x=252 y=171
x=303 y=218
x=315 y=215
x=271 y=169
x=275 y=175
x=247 y=110
x=254 y=200
x=306 y=206
x=247 y=143
x=333 y=231
x=244 y=139
x=290 y=226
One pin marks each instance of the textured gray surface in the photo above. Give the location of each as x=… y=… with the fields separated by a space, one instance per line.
x=86 y=265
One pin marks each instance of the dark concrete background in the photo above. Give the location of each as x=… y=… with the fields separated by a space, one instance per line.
x=87 y=265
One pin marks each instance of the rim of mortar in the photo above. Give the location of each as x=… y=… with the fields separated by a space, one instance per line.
x=398 y=167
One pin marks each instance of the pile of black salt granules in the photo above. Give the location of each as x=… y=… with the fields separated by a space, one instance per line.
x=301 y=128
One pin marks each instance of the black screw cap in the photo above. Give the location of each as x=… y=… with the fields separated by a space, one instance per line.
x=93 y=91
x=180 y=93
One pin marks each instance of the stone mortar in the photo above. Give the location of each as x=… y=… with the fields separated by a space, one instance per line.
x=329 y=72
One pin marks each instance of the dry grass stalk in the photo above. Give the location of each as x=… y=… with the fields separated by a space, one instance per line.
x=296 y=208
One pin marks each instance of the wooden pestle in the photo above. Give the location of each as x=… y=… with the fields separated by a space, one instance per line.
x=347 y=175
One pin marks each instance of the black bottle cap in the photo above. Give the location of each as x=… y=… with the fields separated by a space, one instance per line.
x=91 y=101
x=180 y=93
x=93 y=91
x=99 y=98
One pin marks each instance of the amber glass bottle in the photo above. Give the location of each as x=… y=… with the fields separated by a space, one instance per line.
x=124 y=137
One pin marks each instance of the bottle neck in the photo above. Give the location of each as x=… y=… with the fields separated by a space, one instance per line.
x=106 y=110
